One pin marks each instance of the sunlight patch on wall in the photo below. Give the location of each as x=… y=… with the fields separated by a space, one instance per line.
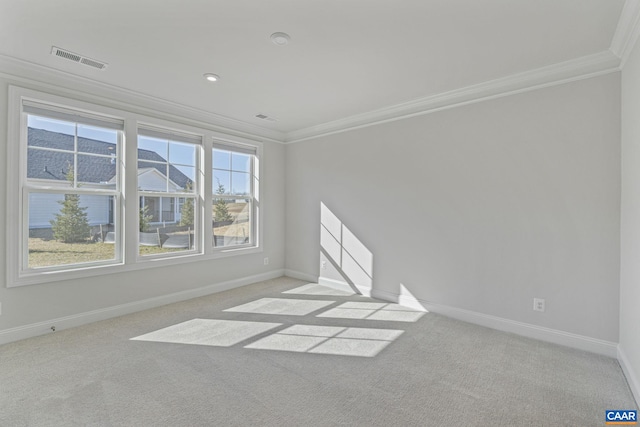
x=333 y=340
x=345 y=251
x=407 y=299
x=286 y=306
x=218 y=333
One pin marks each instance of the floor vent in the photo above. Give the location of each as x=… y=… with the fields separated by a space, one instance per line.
x=78 y=58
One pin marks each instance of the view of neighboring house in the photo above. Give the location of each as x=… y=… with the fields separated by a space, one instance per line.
x=97 y=169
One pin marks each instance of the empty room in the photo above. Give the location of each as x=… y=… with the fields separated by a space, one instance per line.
x=286 y=213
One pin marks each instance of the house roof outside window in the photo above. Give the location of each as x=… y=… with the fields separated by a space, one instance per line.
x=53 y=165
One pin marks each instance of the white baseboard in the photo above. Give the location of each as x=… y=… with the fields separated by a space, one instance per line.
x=41 y=328
x=528 y=330
x=300 y=275
x=406 y=300
x=343 y=286
x=555 y=336
x=632 y=376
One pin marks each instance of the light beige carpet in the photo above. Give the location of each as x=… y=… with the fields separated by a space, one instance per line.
x=288 y=353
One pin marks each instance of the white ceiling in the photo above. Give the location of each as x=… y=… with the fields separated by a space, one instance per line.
x=345 y=58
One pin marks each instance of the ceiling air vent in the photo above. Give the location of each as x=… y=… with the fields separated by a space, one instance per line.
x=78 y=58
x=265 y=117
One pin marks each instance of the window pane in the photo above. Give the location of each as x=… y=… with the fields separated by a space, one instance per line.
x=186 y=211
x=156 y=173
x=152 y=149
x=152 y=176
x=221 y=159
x=50 y=133
x=97 y=170
x=70 y=229
x=232 y=221
x=93 y=146
x=48 y=162
x=241 y=162
x=96 y=140
x=240 y=183
x=48 y=165
x=221 y=182
x=149 y=212
x=183 y=154
x=168 y=209
x=183 y=177
x=166 y=225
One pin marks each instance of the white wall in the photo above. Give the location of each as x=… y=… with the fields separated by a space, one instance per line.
x=630 y=223
x=481 y=207
x=25 y=306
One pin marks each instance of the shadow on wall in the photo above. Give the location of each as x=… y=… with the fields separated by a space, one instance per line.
x=348 y=256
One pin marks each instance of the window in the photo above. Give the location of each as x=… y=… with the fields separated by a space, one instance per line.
x=167 y=188
x=97 y=190
x=234 y=202
x=72 y=188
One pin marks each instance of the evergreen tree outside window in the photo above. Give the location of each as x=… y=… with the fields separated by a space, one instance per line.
x=71 y=224
x=220 y=209
x=187 y=214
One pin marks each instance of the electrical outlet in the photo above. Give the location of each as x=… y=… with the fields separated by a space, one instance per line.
x=538 y=304
x=324 y=265
x=266 y=261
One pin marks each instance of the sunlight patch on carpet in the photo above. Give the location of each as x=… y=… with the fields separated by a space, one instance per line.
x=373 y=311
x=291 y=307
x=218 y=333
x=333 y=340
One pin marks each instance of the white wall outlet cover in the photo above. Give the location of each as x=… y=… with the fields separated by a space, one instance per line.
x=538 y=304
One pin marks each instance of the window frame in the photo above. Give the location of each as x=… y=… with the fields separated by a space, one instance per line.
x=41 y=186
x=127 y=207
x=254 y=186
x=183 y=138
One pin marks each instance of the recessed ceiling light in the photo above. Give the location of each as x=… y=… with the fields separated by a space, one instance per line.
x=280 y=39
x=211 y=77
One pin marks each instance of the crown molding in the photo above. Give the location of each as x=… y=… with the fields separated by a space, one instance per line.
x=69 y=84
x=576 y=69
x=627 y=31
x=63 y=83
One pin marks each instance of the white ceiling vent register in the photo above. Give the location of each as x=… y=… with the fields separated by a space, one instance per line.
x=265 y=117
x=62 y=53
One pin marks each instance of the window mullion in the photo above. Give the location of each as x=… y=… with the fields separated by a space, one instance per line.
x=75 y=157
x=69 y=190
x=254 y=217
x=130 y=201
x=206 y=193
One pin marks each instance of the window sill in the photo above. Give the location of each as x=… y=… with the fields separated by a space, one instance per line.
x=116 y=268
